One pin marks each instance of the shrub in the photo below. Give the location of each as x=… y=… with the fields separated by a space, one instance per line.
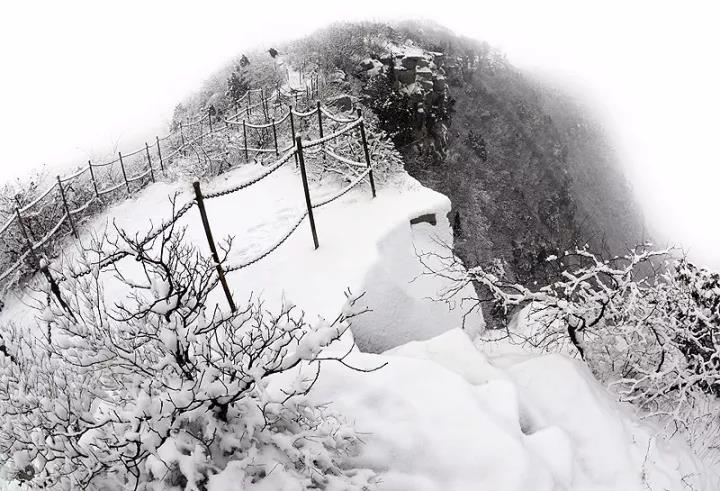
x=161 y=388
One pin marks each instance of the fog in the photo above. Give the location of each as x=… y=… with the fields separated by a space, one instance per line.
x=83 y=79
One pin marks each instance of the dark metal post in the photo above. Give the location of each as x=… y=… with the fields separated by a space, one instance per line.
x=367 y=153
x=298 y=142
x=25 y=234
x=263 y=104
x=245 y=141
x=157 y=143
x=92 y=178
x=319 y=113
x=122 y=166
x=277 y=154
x=292 y=130
x=211 y=243
x=147 y=152
x=67 y=208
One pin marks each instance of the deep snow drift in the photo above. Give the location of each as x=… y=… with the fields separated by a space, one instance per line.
x=439 y=415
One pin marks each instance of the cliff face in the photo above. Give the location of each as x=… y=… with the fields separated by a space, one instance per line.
x=529 y=174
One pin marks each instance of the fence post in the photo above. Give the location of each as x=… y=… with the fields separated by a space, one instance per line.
x=92 y=178
x=211 y=243
x=277 y=154
x=292 y=130
x=298 y=142
x=367 y=153
x=263 y=102
x=147 y=152
x=209 y=120
x=26 y=235
x=319 y=113
x=157 y=143
x=248 y=108
x=122 y=166
x=245 y=141
x=67 y=208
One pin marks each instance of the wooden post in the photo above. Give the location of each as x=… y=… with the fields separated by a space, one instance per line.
x=277 y=153
x=298 y=142
x=67 y=208
x=122 y=166
x=92 y=178
x=292 y=130
x=209 y=121
x=367 y=153
x=147 y=152
x=211 y=243
x=248 y=108
x=245 y=141
x=157 y=143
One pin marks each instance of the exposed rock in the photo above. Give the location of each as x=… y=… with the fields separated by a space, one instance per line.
x=338 y=76
x=439 y=83
x=409 y=63
x=427 y=84
x=342 y=102
x=367 y=64
x=424 y=73
x=405 y=76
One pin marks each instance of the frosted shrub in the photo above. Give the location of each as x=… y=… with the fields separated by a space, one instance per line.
x=646 y=323
x=163 y=388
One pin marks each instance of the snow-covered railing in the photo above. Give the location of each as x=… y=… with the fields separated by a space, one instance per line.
x=30 y=250
x=298 y=152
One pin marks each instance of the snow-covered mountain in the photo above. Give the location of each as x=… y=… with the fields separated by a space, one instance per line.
x=406 y=389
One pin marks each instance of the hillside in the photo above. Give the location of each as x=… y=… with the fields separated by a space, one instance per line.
x=282 y=300
x=529 y=173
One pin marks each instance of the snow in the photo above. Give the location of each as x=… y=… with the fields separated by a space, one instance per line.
x=440 y=414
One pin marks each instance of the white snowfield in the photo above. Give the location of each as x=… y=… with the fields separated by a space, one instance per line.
x=440 y=415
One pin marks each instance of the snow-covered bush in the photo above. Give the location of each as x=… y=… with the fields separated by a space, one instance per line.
x=164 y=388
x=645 y=323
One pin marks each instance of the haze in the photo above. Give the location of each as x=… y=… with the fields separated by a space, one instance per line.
x=83 y=79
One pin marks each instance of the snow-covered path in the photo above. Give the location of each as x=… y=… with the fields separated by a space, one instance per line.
x=365 y=244
x=440 y=415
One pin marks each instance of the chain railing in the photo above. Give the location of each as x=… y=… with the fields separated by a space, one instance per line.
x=33 y=229
x=297 y=150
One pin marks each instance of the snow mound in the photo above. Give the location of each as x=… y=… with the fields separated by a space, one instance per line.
x=440 y=416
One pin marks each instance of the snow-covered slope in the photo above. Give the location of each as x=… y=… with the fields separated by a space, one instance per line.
x=439 y=415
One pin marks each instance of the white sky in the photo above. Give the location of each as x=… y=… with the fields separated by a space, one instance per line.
x=80 y=78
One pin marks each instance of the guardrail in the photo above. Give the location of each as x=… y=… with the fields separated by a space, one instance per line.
x=298 y=150
x=31 y=232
